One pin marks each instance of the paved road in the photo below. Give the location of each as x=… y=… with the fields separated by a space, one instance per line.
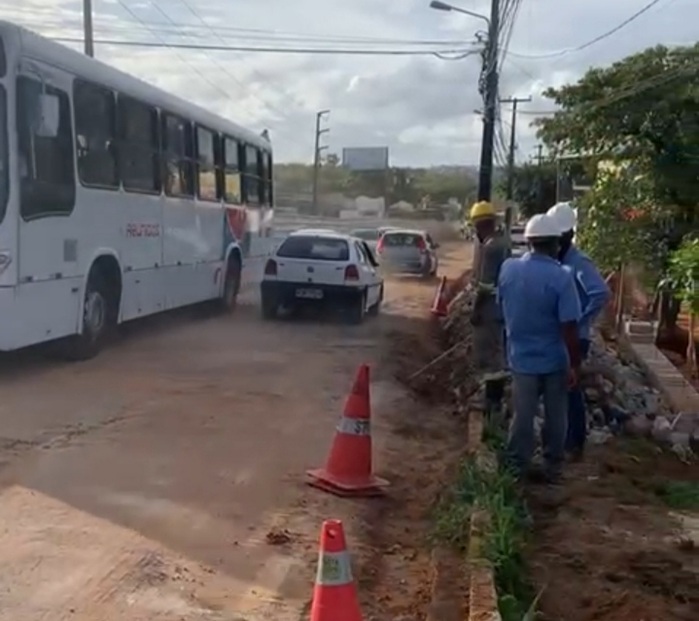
x=141 y=485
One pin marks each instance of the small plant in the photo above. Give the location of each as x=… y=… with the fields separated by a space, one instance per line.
x=679 y=495
x=494 y=491
x=683 y=274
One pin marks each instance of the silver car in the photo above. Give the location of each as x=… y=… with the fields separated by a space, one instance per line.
x=370 y=236
x=409 y=252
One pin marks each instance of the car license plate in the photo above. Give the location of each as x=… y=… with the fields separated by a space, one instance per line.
x=309 y=294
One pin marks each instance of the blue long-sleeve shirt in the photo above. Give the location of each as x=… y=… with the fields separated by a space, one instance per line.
x=592 y=290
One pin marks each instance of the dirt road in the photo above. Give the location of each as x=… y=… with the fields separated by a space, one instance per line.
x=144 y=484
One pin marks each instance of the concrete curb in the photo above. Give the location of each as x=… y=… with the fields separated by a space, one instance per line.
x=483 y=599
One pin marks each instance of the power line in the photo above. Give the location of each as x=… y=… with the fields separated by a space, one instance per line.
x=213 y=85
x=281 y=36
x=270 y=50
x=597 y=39
x=221 y=66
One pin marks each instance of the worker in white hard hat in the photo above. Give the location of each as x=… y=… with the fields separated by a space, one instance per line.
x=541 y=310
x=594 y=295
x=488 y=336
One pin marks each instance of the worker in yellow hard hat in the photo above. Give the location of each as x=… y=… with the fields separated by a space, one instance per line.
x=488 y=333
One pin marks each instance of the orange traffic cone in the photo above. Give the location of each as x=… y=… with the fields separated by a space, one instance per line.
x=439 y=306
x=334 y=594
x=347 y=471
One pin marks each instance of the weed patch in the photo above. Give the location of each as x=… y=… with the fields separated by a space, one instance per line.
x=679 y=495
x=493 y=490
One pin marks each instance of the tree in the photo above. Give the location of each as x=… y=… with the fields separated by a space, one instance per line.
x=637 y=121
x=643 y=108
x=684 y=272
x=534 y=187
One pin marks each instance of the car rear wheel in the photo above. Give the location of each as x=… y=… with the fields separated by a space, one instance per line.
x=357 y=309
x=270 y=307
x=376 y=309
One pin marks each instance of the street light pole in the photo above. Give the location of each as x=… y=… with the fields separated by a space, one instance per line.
x=316 y=156
x=88 y=36
x=485 y=171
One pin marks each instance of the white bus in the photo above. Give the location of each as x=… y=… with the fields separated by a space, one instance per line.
x=117 y=200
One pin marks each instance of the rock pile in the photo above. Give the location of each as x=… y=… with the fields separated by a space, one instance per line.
x=620 y=398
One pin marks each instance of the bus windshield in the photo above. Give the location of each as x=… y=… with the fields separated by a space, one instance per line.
x=4 y=169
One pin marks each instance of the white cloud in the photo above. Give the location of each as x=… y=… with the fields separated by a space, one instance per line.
x=421 y=107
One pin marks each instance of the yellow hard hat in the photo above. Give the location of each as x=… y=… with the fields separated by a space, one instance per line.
x=482 y=209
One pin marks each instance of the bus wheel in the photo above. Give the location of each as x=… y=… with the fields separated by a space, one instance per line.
x=97 y=318
x=231 y=285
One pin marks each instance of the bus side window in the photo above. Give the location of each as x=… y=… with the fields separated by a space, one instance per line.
x=206 y=165
x=47 y=185
x=95 y=121
x=231 y=172
x=139 y=146
x=178 y=152
x=251 y=177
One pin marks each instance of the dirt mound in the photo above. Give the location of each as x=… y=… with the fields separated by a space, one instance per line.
x=449 y=370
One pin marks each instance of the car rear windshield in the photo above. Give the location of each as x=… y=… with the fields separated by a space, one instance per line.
x=314 y=248
x=402 y=239
x=366 y=234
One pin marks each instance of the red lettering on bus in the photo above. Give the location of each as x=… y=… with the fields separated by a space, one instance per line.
x=140 y=229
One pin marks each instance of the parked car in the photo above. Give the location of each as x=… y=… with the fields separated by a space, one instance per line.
x=408 y=251
x=322 y=268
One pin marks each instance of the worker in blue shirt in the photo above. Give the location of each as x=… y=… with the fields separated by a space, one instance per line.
x=594 y=295
x=541 y=310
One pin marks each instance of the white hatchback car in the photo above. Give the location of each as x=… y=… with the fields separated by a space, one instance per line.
x=322 y=268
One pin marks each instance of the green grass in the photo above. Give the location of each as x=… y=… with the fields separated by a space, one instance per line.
x=679 y=495
x=493 y=490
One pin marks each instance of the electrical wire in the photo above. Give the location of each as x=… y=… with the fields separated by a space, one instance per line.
x=597 y=39
x=212 y=84
x=260 y=34
x=270 y=50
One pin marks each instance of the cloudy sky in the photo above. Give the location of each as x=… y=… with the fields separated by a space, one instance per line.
x=422 y=107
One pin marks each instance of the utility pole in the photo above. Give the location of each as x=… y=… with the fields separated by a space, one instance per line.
x=513 y=134
x=316 y=156
x=540 y=176
x=539 y=155
x=87 y=28
x=485 y=174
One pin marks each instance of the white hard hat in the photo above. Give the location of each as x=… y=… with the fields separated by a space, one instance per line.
x=541 y=226
x=564 y=215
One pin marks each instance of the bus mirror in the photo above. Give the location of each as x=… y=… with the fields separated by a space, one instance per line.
x=48 y=116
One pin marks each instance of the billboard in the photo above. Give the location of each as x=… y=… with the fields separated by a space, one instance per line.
x=365 y=159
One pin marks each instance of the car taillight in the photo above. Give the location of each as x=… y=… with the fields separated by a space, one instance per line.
x=351 y=272
x=271 y=268
x=379 y=246
x=421 y=245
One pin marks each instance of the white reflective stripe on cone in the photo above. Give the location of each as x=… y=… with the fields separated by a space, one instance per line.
x=334 y=569
x=354 y=426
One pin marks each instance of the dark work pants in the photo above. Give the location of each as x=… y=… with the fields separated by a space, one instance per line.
x=527 y=391
x=577 y=415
